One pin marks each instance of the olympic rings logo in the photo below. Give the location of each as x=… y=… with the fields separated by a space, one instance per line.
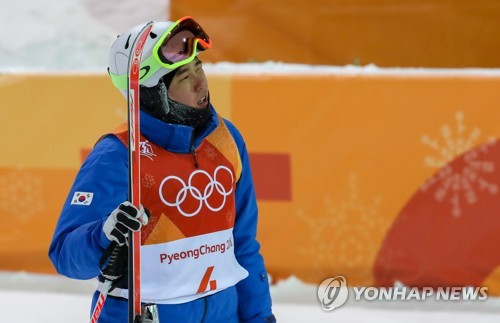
x=214 y=186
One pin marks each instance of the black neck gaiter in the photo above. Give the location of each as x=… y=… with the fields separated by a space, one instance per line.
x=153 y=102
x=185 y=115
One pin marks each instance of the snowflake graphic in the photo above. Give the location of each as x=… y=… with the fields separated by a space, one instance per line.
x=210 y=151
x=229 y=216
x=459 y=186
x=454 y=144
x=21 y=191
x=222 y=141
x=341 y=238
x=147 y=181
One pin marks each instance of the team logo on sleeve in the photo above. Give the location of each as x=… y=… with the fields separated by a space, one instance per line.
x=82 y=198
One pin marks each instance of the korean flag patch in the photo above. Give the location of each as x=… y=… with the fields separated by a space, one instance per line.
x=82 y=198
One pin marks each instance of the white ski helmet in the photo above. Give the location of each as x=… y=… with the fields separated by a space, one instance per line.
x=159 y=56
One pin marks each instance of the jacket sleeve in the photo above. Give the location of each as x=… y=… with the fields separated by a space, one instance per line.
x=254 y=299
x=78 y=240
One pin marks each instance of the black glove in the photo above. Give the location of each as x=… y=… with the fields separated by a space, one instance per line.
x=114 y=260
x=124 y=218
x=114 y=263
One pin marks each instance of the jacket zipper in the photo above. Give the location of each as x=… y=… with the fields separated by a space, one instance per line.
x=193 y=152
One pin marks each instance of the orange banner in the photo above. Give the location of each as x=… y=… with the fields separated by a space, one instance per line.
x=388 y=33
x=378 y=177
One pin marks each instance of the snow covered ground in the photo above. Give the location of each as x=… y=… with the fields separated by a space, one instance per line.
x=35 y=298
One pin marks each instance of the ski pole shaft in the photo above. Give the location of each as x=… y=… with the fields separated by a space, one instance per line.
x=100 y=302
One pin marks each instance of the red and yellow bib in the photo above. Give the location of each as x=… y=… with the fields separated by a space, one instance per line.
x=187 y=246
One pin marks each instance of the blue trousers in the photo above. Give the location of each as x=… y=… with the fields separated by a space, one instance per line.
x=220 y=307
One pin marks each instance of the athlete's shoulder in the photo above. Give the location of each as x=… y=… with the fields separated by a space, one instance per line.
x=108 y=148
x=235 y=132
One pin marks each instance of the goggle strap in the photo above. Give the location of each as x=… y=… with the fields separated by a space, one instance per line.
x=121 y=81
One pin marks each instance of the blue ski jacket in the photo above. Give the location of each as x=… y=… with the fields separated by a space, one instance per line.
x=79 y=241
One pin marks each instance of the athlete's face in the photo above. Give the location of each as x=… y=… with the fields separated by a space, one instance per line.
x=189 y=85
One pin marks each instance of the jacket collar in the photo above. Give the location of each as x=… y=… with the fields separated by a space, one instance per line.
x=173 y=137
